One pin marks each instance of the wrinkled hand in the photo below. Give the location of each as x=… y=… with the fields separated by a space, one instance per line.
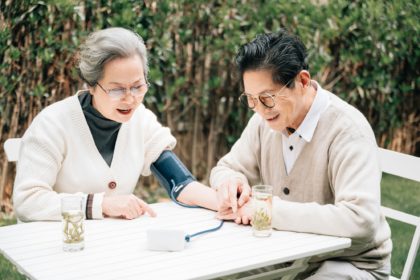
x=242 y=216
x=125 y=206
x=228 y=192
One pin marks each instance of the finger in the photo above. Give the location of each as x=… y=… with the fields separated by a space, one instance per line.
x=245 y=220
x=225 y=206
x=245 y=194
x=147 y=208
x=238 y=220
x=138 y=209
x=225 y=193
x=220 y=197
x=134 y=207
x=233 y=189
x=126 y=215
x=132 y=213
x=227 y=217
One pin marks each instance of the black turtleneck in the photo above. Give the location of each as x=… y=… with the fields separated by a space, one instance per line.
x=104 y=131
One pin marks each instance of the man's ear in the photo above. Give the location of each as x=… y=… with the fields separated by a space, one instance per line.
x=304 y=78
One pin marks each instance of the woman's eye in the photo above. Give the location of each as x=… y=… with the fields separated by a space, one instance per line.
x=117 y=90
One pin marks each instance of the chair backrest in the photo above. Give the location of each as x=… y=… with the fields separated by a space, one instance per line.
x=405 y=166
x=12 y=148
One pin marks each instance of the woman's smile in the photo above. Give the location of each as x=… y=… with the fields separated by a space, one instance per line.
x=124 y=111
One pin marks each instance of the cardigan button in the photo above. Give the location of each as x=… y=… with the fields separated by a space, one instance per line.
x=286 y=191
x=112 y=185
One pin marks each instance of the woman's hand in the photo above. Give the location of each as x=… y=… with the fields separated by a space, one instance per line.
x=242 y=216
x=125 y=206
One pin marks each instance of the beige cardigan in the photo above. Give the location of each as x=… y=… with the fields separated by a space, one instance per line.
x=334 y=185
x=59 y=157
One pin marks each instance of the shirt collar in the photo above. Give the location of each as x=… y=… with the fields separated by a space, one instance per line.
x=319 y=105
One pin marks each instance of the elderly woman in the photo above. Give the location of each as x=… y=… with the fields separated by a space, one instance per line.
x=98 y=142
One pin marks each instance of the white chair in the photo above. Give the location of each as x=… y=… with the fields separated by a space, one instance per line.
x=405 y=166
x=12 y=148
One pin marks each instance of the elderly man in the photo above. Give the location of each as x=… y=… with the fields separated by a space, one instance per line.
x=318 y=152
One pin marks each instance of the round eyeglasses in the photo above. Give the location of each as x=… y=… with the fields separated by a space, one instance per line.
x=119 y=93
x=266 y=98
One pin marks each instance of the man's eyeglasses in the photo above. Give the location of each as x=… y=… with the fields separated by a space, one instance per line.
x=118 y=93
x=266 y=98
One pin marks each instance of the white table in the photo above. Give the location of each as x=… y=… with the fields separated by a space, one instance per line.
x=117 y=249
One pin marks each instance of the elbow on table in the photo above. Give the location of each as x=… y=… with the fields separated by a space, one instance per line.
x=25 y=211
x=364 y=229
x=21 y=213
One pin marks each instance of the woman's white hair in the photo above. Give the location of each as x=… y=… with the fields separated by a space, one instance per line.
x=105 y=45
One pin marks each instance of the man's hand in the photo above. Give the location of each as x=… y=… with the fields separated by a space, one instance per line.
x=228 y=193
x=125 y=206
x=242 y=216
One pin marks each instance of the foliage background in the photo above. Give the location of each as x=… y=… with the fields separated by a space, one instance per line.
x=365 y=51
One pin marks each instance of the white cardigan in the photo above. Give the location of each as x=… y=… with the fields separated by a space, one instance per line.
x=59 y=156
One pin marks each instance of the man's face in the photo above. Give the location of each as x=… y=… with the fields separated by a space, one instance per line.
x=289 y=103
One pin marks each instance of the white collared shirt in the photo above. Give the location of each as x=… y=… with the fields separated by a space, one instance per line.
x=294 y=143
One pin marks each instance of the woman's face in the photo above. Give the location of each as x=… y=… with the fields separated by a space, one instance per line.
x=120 y=73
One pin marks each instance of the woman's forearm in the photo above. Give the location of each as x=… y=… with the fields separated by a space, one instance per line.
x=196 y=193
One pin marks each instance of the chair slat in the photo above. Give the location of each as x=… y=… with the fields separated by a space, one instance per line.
x=400 y=164
x=12 y=148
x=408 y=167
x=400 y=216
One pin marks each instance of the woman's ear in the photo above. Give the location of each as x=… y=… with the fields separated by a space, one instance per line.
x=92 y=89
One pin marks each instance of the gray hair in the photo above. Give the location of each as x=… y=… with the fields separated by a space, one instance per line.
x=105 y=45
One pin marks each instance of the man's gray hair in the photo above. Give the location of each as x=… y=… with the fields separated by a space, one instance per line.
x=105 y=45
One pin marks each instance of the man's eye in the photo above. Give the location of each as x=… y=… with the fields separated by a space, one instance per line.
x=264 y=98
x=268 y=94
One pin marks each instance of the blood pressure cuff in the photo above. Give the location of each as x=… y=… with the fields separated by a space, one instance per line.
x=171 y=173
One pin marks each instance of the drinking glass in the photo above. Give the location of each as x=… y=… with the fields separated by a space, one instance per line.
x=262 y=197
x=72 y=222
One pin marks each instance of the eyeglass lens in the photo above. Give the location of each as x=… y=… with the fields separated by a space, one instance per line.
x=266 y=99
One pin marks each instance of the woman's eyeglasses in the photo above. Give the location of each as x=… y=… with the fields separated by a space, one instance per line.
x=118 y=93
x=266 y=98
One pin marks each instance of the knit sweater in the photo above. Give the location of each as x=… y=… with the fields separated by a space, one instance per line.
x=59 y=156
x=333 y=187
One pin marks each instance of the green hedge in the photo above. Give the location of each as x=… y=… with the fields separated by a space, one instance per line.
x=365 y=51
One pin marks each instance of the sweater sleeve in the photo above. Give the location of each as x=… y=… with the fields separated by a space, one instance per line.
x=39 y=162
x=355 y=176
x=156 y=139
x=242 y=160
x=41 y=155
